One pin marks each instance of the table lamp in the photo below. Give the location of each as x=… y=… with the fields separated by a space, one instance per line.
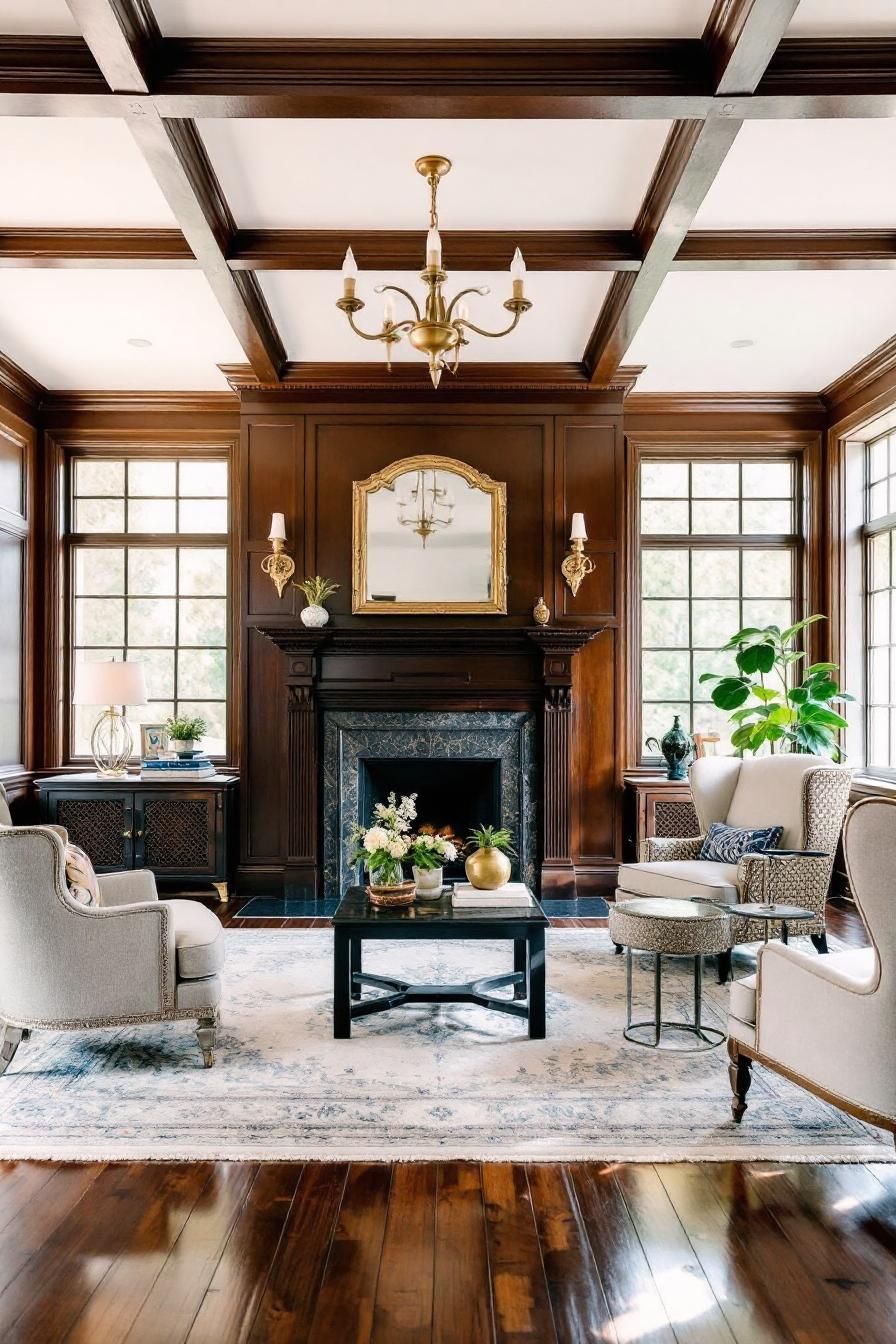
x=110 y=684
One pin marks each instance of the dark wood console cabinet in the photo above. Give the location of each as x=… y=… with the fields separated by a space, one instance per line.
x=183 y=832
x=656 y=806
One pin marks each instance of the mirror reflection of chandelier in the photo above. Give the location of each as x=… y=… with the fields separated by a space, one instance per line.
x=426 y=506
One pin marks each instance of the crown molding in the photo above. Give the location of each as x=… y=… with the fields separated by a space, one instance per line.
x=715 y=403
x=412 y=377
x=19 y=384
x=190 y=403
x=879 y=364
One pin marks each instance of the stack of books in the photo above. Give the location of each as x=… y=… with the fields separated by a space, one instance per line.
x=183 y=768
x=512 y=894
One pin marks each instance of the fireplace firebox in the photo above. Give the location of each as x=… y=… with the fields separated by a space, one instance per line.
x=452 y=794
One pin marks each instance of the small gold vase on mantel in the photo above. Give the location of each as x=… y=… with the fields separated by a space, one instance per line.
x=487 y=869
x=541 y=612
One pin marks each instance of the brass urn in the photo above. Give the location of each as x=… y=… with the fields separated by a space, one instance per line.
x=488 y=869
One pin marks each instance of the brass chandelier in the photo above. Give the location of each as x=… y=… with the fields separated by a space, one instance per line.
x=440 y=331
x=432 y=505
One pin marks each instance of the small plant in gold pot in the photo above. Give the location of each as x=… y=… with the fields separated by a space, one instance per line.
x=488 y=866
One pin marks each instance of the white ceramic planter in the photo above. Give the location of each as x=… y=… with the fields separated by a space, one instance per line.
x=314 y=616
x=429 y=882
x=184 y=746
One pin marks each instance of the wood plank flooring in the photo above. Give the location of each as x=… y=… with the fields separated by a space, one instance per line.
x=451 y=1252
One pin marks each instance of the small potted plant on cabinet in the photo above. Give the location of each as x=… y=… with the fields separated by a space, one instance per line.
x=184 y=734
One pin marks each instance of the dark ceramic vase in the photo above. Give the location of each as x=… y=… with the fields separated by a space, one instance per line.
x=676 y=749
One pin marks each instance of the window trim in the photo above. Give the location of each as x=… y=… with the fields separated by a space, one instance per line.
x=870 y=528
x=69 y=540
x=803 y=447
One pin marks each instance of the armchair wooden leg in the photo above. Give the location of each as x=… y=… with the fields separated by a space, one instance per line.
x=618 y=947
x=10 y=1038
x=206 y=1034
x=723 y=962
x=820 y=941
x=740 y=1075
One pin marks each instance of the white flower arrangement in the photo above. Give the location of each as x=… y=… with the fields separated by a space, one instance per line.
x=431 y=851
x=382 y=846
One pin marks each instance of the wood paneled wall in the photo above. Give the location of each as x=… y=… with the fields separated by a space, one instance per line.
x=301 y=459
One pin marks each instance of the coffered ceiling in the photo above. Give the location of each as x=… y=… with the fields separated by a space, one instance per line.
x=680 y=174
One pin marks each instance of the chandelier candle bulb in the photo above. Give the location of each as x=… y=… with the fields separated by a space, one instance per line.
x=388 y=310
x=518 y=273
x=349 y=274
x=434 y=249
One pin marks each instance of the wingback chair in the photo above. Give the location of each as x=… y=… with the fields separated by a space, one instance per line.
x=65 y=966
x=827 y=1023
x=807 y=795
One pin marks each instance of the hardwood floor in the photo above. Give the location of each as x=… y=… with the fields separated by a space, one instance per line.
x=449 y=1253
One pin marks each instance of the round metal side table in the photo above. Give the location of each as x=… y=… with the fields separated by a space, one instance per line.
x=669 y=928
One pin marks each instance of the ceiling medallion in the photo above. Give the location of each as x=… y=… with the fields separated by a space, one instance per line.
x=441 y=330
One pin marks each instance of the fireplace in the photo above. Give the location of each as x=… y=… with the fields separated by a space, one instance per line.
x=466 y=768
x=453 y=795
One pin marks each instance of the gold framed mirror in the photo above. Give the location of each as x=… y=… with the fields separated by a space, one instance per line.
x=429 y=537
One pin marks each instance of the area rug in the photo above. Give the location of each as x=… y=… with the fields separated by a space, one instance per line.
x=423 y=1082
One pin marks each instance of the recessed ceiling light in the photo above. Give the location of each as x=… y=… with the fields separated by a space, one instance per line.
x=742 y=344
x=139 y=342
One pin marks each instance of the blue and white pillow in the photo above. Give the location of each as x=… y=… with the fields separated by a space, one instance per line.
x=728 y=844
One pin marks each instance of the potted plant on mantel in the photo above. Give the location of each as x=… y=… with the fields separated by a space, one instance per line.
x=316 y=592
x=185 y=733
x=488 y=867
x=779 y=711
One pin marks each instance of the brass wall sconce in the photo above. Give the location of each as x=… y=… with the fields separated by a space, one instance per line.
x=278 y=566
x=576 y=565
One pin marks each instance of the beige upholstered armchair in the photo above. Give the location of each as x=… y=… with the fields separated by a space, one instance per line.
x=67 y=966
x=827 y=1023
x=807 y=795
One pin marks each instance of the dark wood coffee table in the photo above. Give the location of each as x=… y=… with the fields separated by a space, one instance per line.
x=356 y=920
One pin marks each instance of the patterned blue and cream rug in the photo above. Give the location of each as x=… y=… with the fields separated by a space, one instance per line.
x=415 y=1083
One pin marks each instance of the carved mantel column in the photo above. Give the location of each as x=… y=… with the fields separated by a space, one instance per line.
x=302 y=784
x=558 y=648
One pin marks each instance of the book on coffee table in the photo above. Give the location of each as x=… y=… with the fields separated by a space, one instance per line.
x=512 y=894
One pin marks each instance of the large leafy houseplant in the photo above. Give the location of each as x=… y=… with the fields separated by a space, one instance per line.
x=769 y=704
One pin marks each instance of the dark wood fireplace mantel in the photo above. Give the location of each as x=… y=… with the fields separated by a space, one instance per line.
x=453 y=668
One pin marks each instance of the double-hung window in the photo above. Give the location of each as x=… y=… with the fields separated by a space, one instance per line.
x=880 y=601
x=719 y=551
x=148 y=565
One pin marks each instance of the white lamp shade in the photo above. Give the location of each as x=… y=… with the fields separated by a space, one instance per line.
x=577 y=531
x=109 y=684
x=278 y=527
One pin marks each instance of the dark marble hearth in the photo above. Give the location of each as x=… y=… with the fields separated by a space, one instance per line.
x=301 y=905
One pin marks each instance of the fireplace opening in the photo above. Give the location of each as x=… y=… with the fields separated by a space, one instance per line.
x=456 y=793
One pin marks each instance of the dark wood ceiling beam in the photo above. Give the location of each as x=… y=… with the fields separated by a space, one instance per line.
x=846 y=77
x=740 y=39
x=544 y=250
x=124 y=40
x=787 y=250
x=95 y=248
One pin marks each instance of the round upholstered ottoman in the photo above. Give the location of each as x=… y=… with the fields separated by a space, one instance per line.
x=677 y=929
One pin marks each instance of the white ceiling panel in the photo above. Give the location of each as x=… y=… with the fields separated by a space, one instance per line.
x=804 y=175
x=506 y=174
x=36 y=17
x=76 y=172
x=409 y=18
x=808 y=327
x=844 y=18
x=557 y=327
x=71 y=329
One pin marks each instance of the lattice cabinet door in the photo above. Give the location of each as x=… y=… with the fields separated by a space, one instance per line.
x=657 y=807
x=675 y=818
x=176 y=832
x=102 y=825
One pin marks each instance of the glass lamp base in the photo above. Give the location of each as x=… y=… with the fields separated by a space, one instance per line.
x=111 y=743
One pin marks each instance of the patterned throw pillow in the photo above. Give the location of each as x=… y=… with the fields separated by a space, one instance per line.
x=82 y=883
x=728 y=844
